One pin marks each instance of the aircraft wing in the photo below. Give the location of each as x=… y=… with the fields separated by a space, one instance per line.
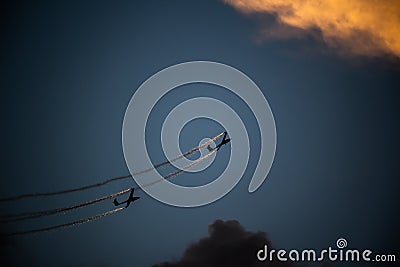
x=223 y=139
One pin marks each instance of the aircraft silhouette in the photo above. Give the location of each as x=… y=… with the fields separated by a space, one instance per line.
x=128 y=201
x=223 y=142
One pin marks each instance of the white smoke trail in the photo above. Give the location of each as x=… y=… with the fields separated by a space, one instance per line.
x=60 y=226
x=111 y=179
x=32 y=215
x=173 y=174
x=37 y=214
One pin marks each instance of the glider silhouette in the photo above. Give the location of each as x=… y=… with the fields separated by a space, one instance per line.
x=130 y=199
x=223 y=142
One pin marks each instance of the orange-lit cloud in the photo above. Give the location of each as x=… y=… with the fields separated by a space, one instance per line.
x=364 y=27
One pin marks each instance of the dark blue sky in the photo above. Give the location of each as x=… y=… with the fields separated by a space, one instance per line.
x=69 y=70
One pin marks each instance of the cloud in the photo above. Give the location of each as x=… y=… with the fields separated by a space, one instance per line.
x=227 y=244
x=361 y=27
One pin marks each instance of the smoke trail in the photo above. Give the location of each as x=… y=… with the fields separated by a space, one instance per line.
x=82 y=221
x=36 y=214
x=173 y=174
x=181 y=156
x=63 y=191
x=111 y=179
x=32 y=215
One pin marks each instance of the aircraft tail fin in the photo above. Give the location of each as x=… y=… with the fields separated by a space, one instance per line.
x=210 y=148
x=116 y=202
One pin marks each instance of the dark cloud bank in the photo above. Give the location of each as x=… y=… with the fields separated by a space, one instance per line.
x=227 y=244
